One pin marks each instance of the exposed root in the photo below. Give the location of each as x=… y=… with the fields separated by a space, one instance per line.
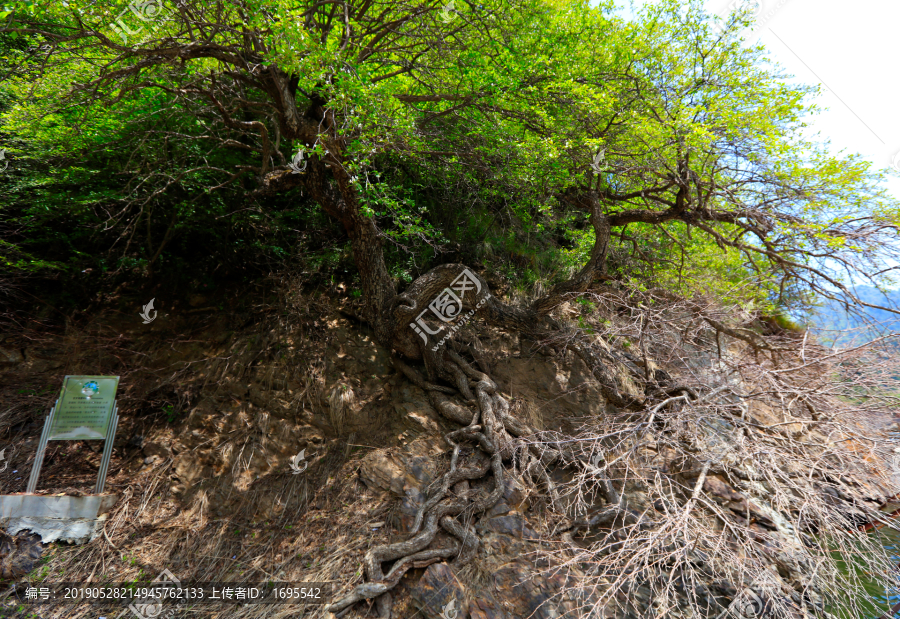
x=692 y=464
x=498 y=436
x=467 y=536
x=369 y=590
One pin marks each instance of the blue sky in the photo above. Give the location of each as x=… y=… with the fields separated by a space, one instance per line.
x=852 y=50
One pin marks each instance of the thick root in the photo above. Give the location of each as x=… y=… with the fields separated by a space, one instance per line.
x=488 y=424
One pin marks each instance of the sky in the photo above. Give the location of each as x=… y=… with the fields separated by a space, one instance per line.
x=851 y=50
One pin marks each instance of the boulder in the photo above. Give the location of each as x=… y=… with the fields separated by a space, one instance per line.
x=439 y=594
x=512 y=524
x=11 y=355
x=18 y=555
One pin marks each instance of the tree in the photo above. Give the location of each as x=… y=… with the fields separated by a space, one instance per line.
x=543 y=111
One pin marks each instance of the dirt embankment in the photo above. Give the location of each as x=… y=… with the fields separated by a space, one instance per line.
x=214 y=405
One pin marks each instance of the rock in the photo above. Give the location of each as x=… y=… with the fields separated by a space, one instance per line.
x=514 y=496
x=533 y=595
x=406 y=474
x=484 y=609
x=11 y=355
x=380 y=471
x=19 y=554
x=725 y=589
x=766 y=415
x=570 y=388
x=403 y=475
x=720 y=491
x=188 y=470
x=439 y=594
x=409 y=507
x=157 y=448
x=512 y=524
x=500 y=509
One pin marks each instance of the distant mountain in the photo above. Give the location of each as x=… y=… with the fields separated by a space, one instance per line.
x=832 y=323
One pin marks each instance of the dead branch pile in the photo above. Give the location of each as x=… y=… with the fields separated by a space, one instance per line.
x=738 y=470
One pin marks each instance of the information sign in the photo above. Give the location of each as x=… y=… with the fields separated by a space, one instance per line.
x=85 y=408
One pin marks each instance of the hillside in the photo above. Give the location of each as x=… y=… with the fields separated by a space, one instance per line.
x=215 y=405
x=444 y=310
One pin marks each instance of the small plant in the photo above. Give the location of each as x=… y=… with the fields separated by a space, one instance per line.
x=585 y=326
x=171 y=413
x=586 y=304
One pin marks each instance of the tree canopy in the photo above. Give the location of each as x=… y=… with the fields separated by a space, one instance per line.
x=666 y=142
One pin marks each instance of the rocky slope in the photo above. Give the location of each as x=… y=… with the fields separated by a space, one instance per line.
x=215 y=404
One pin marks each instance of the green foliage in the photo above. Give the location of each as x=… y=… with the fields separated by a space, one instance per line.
x=171 y=413
x=464 y=142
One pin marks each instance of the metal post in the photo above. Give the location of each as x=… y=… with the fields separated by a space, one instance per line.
x=39 y=457
x=107 y=450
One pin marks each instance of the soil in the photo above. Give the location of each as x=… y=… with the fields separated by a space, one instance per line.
x=214 y=405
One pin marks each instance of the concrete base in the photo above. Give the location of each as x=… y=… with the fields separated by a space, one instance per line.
x=73 y=519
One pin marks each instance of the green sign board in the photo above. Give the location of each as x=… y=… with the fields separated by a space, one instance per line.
x=85 y=408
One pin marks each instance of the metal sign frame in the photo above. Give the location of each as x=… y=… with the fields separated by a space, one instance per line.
x=107 y=445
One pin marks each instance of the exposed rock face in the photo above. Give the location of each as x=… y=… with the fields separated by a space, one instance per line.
x=527 y=596
x=514 y=591
x=18 y=555
x=724 y=494
x=11 y=355
x=229 y=451
x=508 y=540
x=439 y=594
